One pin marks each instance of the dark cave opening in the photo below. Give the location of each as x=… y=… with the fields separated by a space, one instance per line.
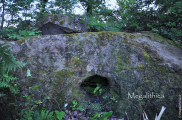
x=95 y=85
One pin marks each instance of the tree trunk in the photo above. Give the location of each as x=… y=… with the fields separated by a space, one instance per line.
x=2 y=22
x=89 y=9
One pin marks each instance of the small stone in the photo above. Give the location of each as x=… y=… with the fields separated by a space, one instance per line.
x=66 y=111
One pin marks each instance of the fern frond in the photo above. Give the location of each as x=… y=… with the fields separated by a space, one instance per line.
x=2 y=95
x=4 y=85
x=7 y=63
x=10 y=62
x=2 y=63
x=29 y=115
x=6 y=79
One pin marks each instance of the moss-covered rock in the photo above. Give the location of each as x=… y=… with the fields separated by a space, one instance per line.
x=60 y=24
x=140 y=69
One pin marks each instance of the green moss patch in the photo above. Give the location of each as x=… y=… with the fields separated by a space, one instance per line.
x=23 y=39
x=62 y=21
x=63 y=74
x=76 y=60
x=121 y=64
x=159 y=38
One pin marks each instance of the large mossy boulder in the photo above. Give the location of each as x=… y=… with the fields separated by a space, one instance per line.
x=60 y=24
x=131 y=72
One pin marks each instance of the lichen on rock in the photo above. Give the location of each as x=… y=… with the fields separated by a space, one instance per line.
x=60 y=24
x=132 y=64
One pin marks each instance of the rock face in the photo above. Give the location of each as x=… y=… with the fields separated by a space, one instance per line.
x=60 y=24
x=101 y=71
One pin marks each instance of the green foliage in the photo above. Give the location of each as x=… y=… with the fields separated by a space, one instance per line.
x=96 y=25
x=105 y=97
x=43 y=115
x=25 y=25
x=32 y=114
x=91 y=5
x=35 y=87
x=65 y=5
x=40 y=15
x=3 y=33
x=74 y=106
x=98 y=89
x=166 y=19
x=38 y=102
x=105 y=116
x=93 y=23
x=7 y=63
x=113 y=98
x=23 y=33
x=129 y=14
x=27 y=114
x=169 y=24
x=60 y=115
x=15 y=33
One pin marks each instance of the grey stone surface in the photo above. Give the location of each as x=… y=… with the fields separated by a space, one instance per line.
x=60 y=24
x=134 y=64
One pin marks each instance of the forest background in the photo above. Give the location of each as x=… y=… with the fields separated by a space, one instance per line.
x=129 y=17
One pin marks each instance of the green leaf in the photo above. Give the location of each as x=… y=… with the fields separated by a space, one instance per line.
x=80 y=108
x=105 y=97
x=38 y=102
x=37 y=32
x=100 y=91
x=109 y=114
x=21 y=32
x=26 y=34
x=36 y=86
x=15 y=89
x=59 y=115
x=18 y=37
x=5 y=75
x=97 y=114
x=75 y=103
x=97 y=88
x=92 y=118
x=31 y=33
x=113 y=98
x=25 y=96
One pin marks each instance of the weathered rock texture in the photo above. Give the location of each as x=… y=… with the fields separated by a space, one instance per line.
x=69 y=67
x=60 y=24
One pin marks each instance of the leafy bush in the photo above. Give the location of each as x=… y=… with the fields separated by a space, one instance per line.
x=27 y=115
x=7 y=63
x=23 y=33
x=169 y=24
x=25 y=25
x=94 y=25
x=129 y=16
x=8 y=86
x=43 y=115
x=15 y=33
x=59 y=115
x=3 y=33
x=105 y=116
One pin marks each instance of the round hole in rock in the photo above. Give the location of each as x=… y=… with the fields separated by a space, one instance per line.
x=95 y=85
